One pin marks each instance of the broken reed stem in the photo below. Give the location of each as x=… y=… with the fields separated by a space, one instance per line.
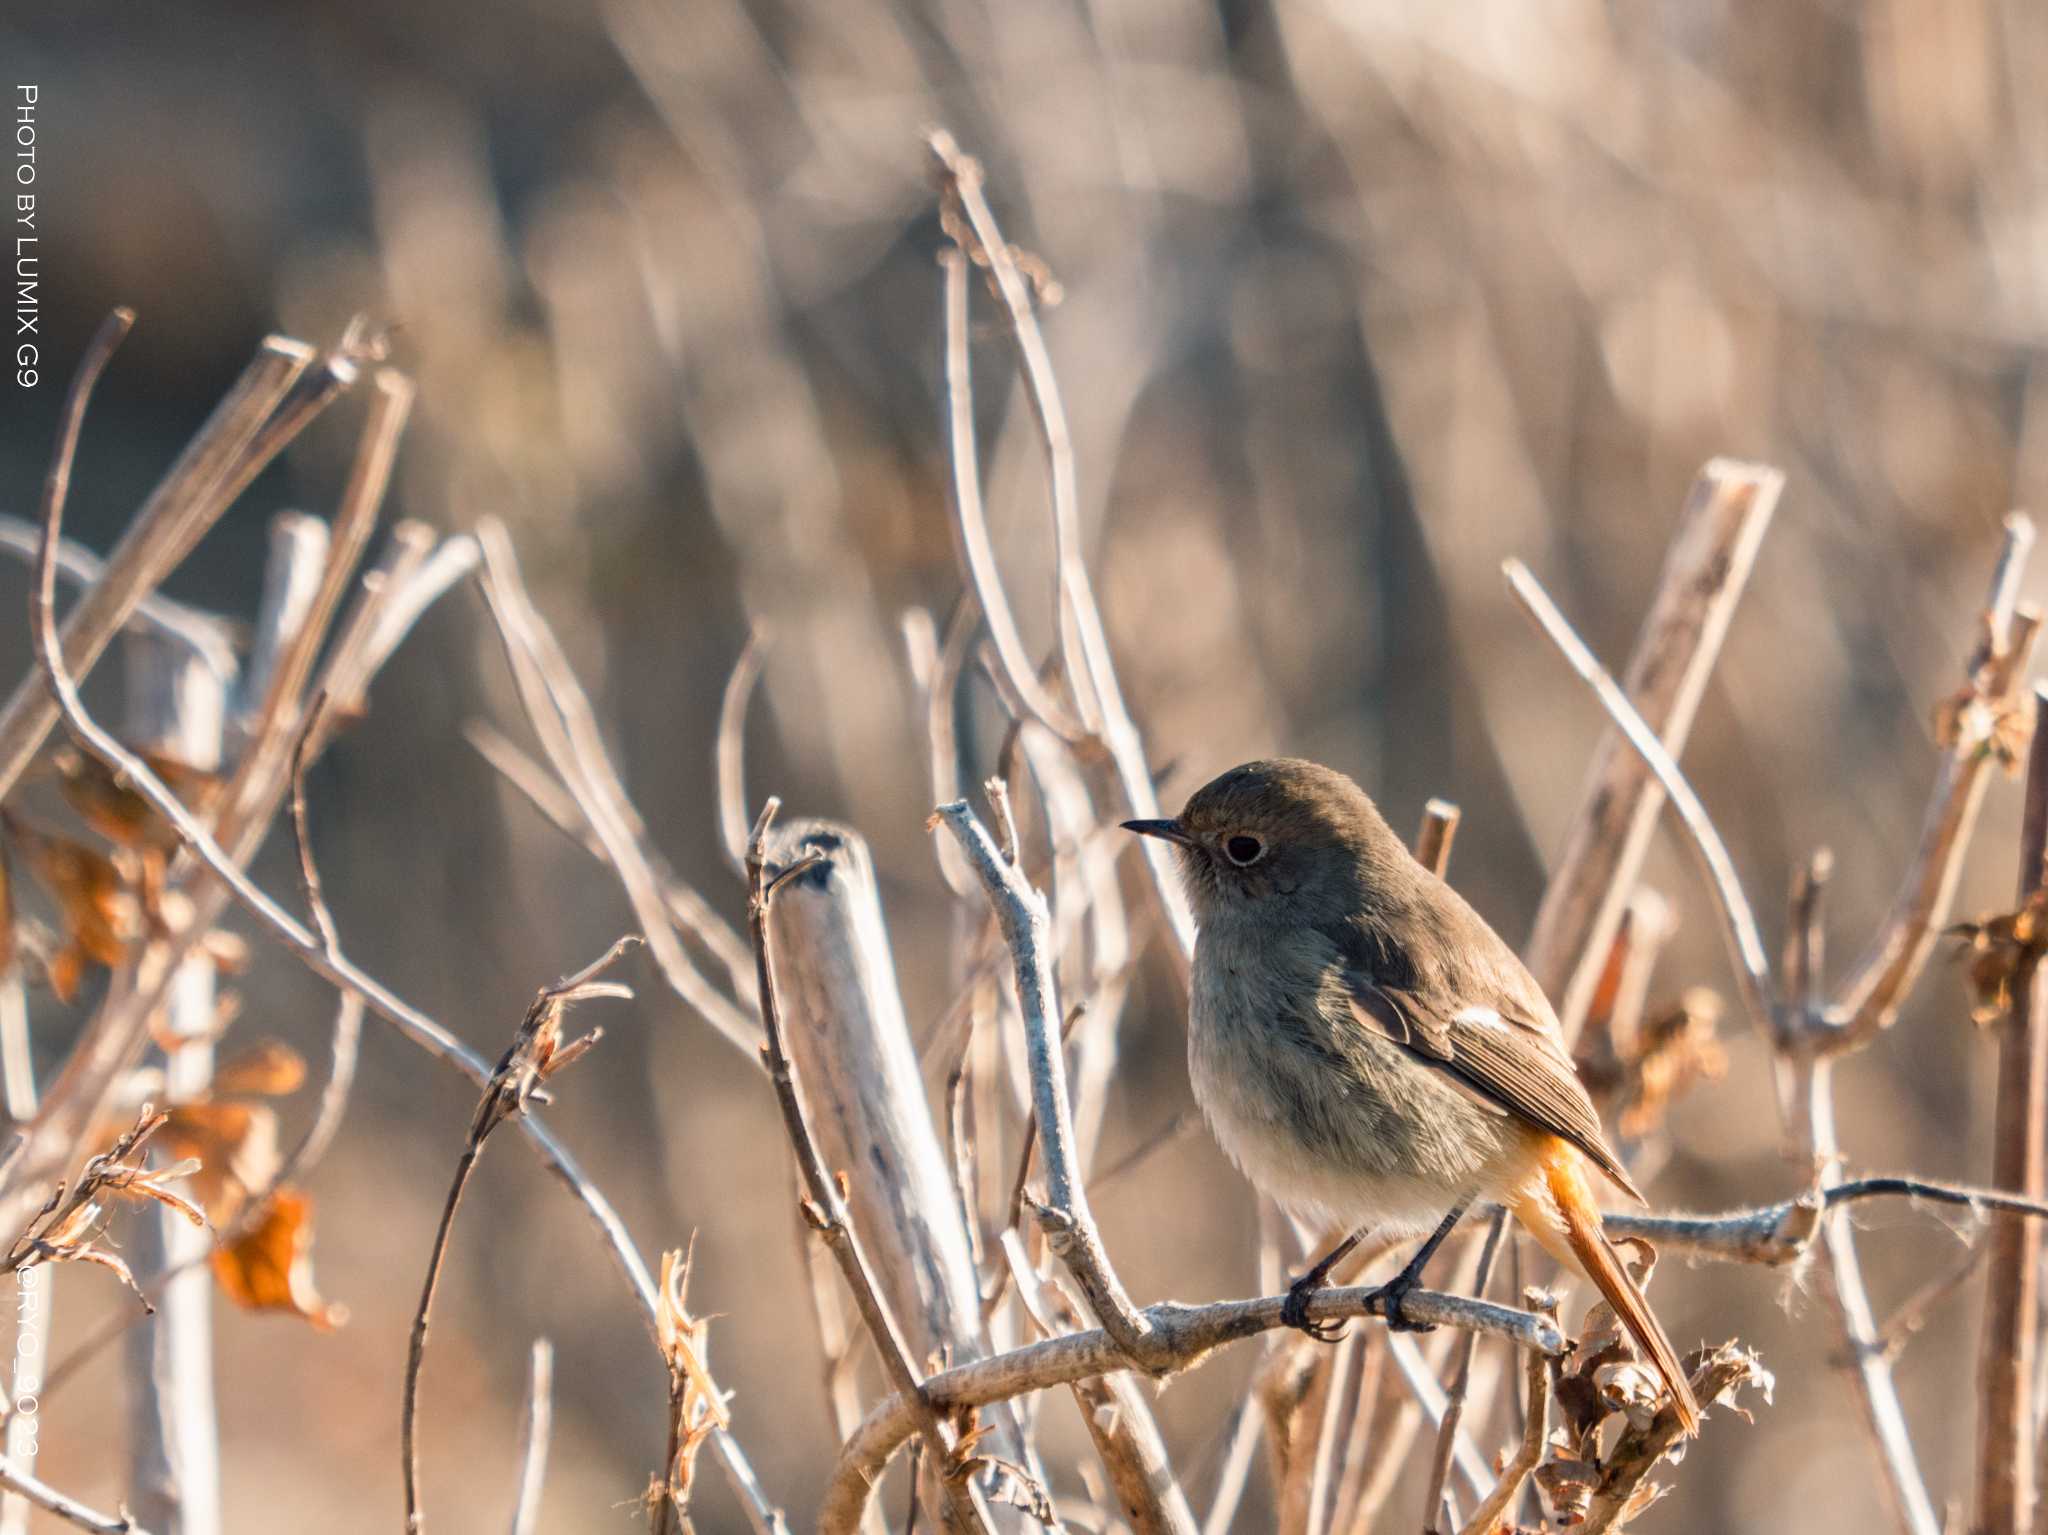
x=1869 y=998
x=825 y=1206
x=2005 y=1490
x=185 y=502
x=1182 y=1338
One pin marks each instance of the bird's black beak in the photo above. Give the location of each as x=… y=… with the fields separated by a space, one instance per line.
x=1166 y=831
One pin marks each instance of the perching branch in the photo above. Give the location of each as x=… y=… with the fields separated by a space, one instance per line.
x=1180 y=1337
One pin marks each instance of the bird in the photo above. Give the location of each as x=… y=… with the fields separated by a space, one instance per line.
x=1368 y=1050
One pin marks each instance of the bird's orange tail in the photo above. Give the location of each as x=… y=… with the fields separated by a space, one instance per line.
x=1558 y=1209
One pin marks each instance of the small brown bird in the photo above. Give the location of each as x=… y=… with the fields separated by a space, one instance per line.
x=1368 y=1050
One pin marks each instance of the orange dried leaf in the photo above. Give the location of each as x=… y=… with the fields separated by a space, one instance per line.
x=271 y=1268
x=236 y=1145
x=98 y=910
x=117 y=812
x=269 y=1068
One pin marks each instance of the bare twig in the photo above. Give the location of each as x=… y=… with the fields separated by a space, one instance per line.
x=1070 y=1228
x=825 y=1207
x=1870 y=997
x=1116 y=1416
x=1182 y=1337
x=731 y=757
x=2005 y=1354
x=563 y=720
x=46 y=1497
x=1433 y=1505
x=1493 y=1510
x=1083 y=643
x=537 y=1053
x=1745 y=943
x=535 y=1431
x=210 y=637
x=1726 y=514
x=690 y=912
x=1781 y=1233
x=970 y=519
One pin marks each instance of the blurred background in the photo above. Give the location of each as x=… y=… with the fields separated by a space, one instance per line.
x=1360 y=298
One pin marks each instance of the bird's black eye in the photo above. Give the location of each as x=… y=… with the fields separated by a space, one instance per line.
x=1243 y=850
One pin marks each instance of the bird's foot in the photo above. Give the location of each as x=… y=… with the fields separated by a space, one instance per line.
x=1295 y=1312
x=1389 y=1297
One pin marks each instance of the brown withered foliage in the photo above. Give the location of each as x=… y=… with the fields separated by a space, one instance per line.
x=1676 y=1049
x=98 y=912
x=2002 y=952
x=69 y=1226
x=696 y=1406
x=1611 y=1429
x=270 y=1266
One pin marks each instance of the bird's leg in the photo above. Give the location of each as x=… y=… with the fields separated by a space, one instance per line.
x=1395 y=1290
x=1295 y=1312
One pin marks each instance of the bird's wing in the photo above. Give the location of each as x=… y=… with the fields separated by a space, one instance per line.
x=1509 y=1061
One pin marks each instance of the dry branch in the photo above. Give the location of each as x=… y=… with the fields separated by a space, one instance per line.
x=1494 y=1508
x=537 y=1054
x=187 y=501
x=2005 y=1493
x=536 y=1429
x=1180 y=1337
x=825 y=1205
x=1070 y=1228
x=1084 y=648
x=345 y=675
x=1726 y=514
x=567 y=728
x=844 y=1028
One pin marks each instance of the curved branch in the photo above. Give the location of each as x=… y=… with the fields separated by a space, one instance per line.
x=1182 y=1336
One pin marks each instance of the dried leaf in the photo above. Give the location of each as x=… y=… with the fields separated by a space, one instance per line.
x=235 y=1142
x=269 y=1068
x=120 y=814
x=2002 y=950
x=95 y=903
x=271 y=1267
x=1677 y=1048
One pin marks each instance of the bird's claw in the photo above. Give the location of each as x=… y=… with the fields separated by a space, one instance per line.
x=1294 y=1313
x=1389 y=1297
